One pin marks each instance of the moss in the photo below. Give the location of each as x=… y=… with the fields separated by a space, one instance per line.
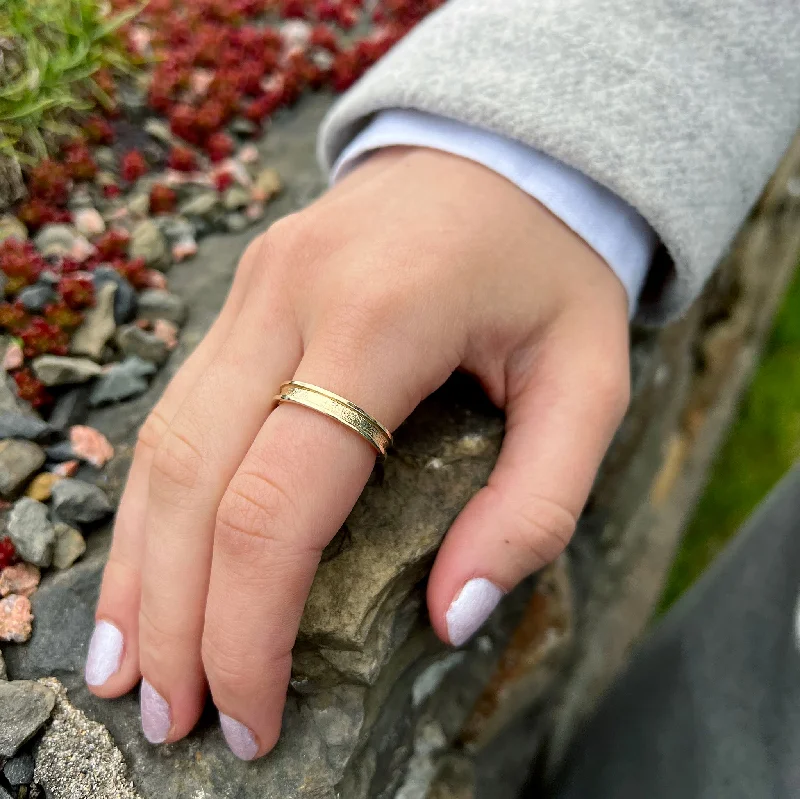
x=763 y=443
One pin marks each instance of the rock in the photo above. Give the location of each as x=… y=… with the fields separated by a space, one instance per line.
x=12 y=228
x=125 y=301
x=56 y=240
x=203 y=204
x=139 y=205
x=266 y=185
x=25 y=706
x=35 y=297
x=19 y=770
x=255 y=211
x=66 y=469
x=70 y=545
x=183 y=249
x=16 y=619
x=19 y=461
x=175 y=228
x=243 y=127
x=90 y=445
x=12 y=356
x=3 y=670
x=4 y=794
x=236 y=222
x=132 y=340
x=20 y=425
x=77 y=757
x=21 y=578
x=41 y=486
x=98 y=325
x=235 y=198
x=62 y=451
x=89 y=223
x=59 y=370
x=148 y=242
x=167 y=332
x=70 y=408
x=76 y=501
x=122 y=381
x=8 y=396
x=159 y=130
x=159 y=304
x=31 y=532
x=106 y=158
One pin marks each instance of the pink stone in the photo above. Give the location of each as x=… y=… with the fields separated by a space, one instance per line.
x=66 y=469
x=12 y=359
x=200 y=80
x=82 y=249
x=254 y=211
x=248 y=154
x=142 y=324
x=183 y=249
x=89 y=222
x=15 y=619
x=22 y=579
x=167 y=332
x=91 y=445
x=235 y=169
x=155 y=279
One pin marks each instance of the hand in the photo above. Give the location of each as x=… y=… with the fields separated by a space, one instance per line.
x=415 y=265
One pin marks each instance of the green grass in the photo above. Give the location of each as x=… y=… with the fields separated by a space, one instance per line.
x=50 y=50
x=762 y=445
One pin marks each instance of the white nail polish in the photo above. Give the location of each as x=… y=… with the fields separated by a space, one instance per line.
x=156 y=718
x=470 y=609
x=241 y=741
x=105 y=653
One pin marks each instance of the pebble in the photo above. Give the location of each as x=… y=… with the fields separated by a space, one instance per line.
x=16 y=621
x=25 y=706
x=148 y=242
x=266 y=185
x=159 y=304
x=22 y=579
x=235 y=198
x=11 y=227
x=249 y=153
x=62 y=451
x=8 y=396
x=41 y=486
x=98 y=326
x=132 y=340
x=13 y=357
x=159 y=130
x=19 y=770
x=106 y=158
x=82 y=249
x=35 y=297
x=75 y=501
x=139 y=205
x=91 y=445
x=19 y=461
x=70 y=545
x=89 y=222
x=56 y=239
x=254 y=211
x=236 y=222
x=201 y=205
x=59 y=370
x=3 y=670
x=175 y=228
x=167 y=332
x=125 y=302
x=183 y=249
x=31 y=532
x=122 y=381
x=70 y=408
x=67 y=468
x=21 y=425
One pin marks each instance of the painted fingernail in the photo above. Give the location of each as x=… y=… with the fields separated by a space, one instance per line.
x=241 y=741
x=470 y=609
x=156 y=719
x=105 y=653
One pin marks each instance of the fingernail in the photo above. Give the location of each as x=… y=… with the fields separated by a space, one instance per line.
x=156 y=718
x=470 y=609
x=105 y=653
x=241 y=741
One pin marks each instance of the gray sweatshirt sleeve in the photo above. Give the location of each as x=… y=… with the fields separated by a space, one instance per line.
x=681 y=107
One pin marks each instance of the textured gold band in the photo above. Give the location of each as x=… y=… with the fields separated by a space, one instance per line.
x=344 y=411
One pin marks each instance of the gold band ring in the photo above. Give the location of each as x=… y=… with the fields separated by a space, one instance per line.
x=344 y=411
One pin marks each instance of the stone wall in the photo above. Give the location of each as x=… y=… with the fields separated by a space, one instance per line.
x=378 y=708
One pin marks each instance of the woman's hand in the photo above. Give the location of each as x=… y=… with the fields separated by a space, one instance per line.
x=415 y=265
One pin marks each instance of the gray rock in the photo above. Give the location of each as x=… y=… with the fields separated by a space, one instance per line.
x=19 y=770
x=243 y=127
x=175 y=228
x=148 y=242
x=19 y=461
x=125 y=301
x=132 y=340
x=160 y=304
x=4 y=794
x=71 y=408
x=31 y=531
x=98 y=325
x=122 y=381
x=11 y=227
x=106 y=158
x=35 y=297
x=139 y=204
x=236 y=222
x=3 y=672
x=20 y=425
x=25 y=706
x=56 y=239
x=201 y=205
x=159 y=130
x=77 y=757
x=235 y=198
x=9 y=401
x=70 y=545
x=75 y=501
x=60 y=452
x=59 y=370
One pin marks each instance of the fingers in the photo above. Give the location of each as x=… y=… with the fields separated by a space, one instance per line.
x=112 y=666
x=291 y=494
x=561 y=415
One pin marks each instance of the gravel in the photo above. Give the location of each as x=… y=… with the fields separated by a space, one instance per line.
x=31 y=532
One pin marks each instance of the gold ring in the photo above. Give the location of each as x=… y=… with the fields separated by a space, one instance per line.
x=344 y=411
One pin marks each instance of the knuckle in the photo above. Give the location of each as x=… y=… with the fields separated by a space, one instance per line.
x=155 y=637
x=611 y=387
x=151 y=432
x=288 y=236
x=227 y=665
x=177 y=463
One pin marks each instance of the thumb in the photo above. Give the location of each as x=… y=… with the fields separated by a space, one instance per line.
x=562 y=411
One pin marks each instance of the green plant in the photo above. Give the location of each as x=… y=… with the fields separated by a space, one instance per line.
x=50 y=54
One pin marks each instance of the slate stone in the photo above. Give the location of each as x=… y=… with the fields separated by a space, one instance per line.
x=25 y=706
x=20 y=425
x=8 y=396
x=125 y=300
x=76 y=501
x=60 y=452
x=98 y=325
x=35 y=297
x=70 y=408
x=59 y=370
x=31 y=531
x=69 y=546
x=19 y=461
x=19 y=770
x=132 y=340
x=160 y=304
x=122 y=381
